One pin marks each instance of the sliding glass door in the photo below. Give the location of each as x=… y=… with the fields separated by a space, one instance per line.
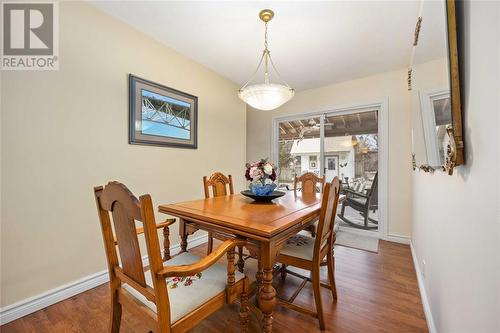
x=335 y=144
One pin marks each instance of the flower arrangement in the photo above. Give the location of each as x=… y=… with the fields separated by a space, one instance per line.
x=261 y=177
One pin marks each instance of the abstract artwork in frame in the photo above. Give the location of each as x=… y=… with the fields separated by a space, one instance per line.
x=161 y=116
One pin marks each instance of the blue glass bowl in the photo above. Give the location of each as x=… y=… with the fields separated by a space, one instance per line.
x=262 y=190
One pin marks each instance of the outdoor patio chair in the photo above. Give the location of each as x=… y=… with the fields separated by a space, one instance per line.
x=363 y=203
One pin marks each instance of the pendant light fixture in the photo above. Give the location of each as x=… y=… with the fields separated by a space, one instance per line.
x=266 y=96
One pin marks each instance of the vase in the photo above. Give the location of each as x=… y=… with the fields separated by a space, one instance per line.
x=262 y=190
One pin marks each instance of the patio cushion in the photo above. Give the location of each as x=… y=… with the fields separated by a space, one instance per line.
x=360 y=201
x=187 y=294
x=359 y=186
x=299 y=246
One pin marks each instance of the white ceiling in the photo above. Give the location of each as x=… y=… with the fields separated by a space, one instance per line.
x=312 y=43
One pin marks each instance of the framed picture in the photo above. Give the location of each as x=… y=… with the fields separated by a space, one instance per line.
x=161 y=116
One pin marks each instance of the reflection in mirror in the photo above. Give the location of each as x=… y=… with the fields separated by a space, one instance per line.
x=435 y=108
x=431 y=103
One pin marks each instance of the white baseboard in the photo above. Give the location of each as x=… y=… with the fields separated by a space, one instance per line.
x=398 y=239
x=38 y=302
x=423 y=292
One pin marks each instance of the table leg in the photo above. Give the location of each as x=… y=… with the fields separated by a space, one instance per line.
x=166 y=244
x=267 y=294
x=258 y=280
x=259 y=275
x=241 y=261
x=183 y=234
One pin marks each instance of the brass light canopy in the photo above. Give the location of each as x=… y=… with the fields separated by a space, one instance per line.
x=266 y=15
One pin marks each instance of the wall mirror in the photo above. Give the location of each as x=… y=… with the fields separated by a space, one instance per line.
x=437 y=142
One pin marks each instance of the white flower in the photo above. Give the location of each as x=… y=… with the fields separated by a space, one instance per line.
x=268 y=181
x=268 y=168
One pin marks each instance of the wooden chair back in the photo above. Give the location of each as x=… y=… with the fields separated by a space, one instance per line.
x=219 y=184
x=119 y=210
x=325 y=232
x=309 y=182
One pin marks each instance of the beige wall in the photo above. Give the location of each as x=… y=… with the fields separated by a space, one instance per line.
x=456 y=219
x=65 y=131
x=365 y=90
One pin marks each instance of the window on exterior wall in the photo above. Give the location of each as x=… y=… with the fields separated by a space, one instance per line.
x=313 y=162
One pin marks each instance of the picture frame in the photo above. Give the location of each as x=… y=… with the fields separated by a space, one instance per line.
x=161 y=116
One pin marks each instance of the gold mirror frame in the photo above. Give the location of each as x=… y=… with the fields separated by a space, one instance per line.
x=455 y=152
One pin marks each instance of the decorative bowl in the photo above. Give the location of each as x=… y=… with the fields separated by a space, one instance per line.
x=263 y=198
x=259 y=189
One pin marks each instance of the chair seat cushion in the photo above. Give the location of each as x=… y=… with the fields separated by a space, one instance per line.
x=299 y=246
x=359 y=201
x=188 y=293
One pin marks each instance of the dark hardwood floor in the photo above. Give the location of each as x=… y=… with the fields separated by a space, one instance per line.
x=376 y=293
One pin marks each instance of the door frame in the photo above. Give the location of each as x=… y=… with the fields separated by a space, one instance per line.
x=382 y=106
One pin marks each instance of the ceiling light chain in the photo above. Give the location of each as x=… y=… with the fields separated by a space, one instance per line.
x=266 y=56
x=265 y=39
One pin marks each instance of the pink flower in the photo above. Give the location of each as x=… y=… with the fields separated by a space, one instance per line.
x=255 y=173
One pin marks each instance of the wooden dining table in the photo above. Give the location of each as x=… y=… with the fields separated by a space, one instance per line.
x=265 y=225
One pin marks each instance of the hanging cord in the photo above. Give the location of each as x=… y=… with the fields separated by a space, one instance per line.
x=265 y=38
x=266 y=56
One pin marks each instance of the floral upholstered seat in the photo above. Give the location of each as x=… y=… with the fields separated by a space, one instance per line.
x=299 y=246
x=187 y=294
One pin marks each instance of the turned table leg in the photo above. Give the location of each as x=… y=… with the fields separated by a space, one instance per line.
x=183 y=235
x=166 y=244
x=241 y=261
x=259 y=275
x=184 y=243
x=267 y=294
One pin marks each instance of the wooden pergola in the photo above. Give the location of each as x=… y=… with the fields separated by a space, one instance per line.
x=341 y=125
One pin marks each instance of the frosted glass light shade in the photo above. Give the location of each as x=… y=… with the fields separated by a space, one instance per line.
x=266 y=96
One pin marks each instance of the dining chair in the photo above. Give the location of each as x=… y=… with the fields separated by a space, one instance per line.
x=309 y=183
x=170 y=297
x=307 y=253
x=220 y=184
